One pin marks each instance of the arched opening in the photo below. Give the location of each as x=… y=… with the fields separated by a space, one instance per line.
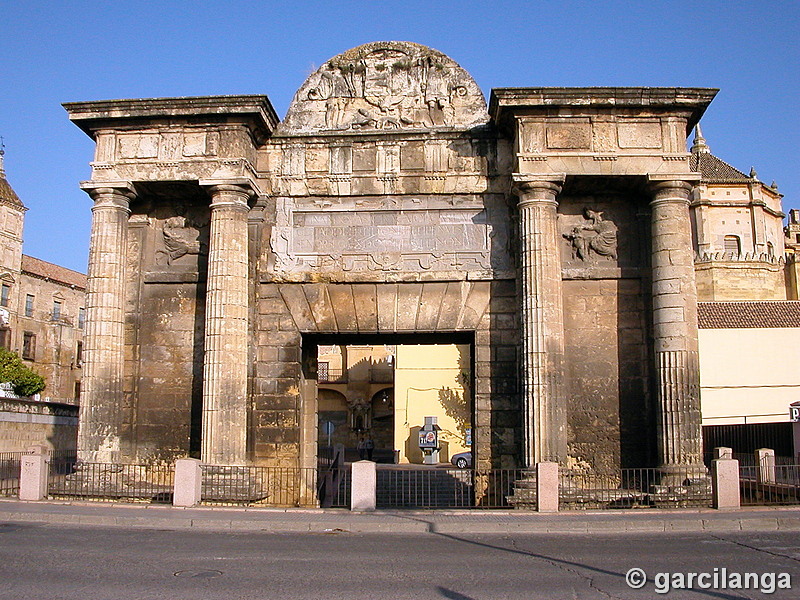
x=382 y=430
x=333 y=418
x=732 y=246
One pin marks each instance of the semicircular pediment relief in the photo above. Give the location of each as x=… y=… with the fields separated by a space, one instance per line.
x=386 y=86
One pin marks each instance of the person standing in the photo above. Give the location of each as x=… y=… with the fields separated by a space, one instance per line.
x=362 y=449
x=369 y=446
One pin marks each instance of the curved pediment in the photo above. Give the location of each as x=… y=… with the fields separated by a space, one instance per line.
x=386 y=86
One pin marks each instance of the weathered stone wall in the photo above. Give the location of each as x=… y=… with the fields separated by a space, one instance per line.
x=164 y=324
x=610 y=412
x=25 y=423
x=275 y=435
x=606 y=319
x=165 y=419
x=740 y=280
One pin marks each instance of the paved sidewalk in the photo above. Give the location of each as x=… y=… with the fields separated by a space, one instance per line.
x=442 y=521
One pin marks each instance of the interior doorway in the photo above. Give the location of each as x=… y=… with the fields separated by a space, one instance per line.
x=373 y=394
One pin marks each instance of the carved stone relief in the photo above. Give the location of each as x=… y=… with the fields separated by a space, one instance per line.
x=180 y=236
x=386 y=85
x=167 y=145
x=596 y=236
x=601 y=237
x=389 y=239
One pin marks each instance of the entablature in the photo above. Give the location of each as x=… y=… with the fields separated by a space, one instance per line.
x=600 y=131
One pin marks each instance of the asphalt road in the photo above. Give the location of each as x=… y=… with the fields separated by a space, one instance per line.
x=54 y=562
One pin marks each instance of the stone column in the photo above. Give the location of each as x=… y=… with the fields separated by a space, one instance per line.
x=543 y=401
x=101 y=416
x=225 y=367
x=680 y=441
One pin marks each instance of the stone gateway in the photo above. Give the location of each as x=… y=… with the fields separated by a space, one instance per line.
x=548 y=232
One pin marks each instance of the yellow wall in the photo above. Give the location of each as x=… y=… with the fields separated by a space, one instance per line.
x=748 y=375
x=430 y=381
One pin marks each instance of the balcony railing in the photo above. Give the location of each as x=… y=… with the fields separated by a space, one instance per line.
x=332 y=376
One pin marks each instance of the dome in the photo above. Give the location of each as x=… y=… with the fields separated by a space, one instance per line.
x=385 y=86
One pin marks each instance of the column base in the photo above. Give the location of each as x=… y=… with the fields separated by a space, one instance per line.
x=682 y=485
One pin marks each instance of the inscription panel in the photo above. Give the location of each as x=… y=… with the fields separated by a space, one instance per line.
x=467 y=240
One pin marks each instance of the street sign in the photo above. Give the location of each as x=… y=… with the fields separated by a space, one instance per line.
x=428 y=439
x=794 y=413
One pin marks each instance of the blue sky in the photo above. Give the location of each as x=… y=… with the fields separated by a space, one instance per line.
x=54 y=52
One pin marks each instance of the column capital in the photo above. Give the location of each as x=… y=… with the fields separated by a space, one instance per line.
x=242 y=185
x=532 y=188
x=230 y=193
x=671 y=188
x=115 y=194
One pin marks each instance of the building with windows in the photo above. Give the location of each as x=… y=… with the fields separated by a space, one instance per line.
x=747 y=288
x=738 y=232
x=42 y=306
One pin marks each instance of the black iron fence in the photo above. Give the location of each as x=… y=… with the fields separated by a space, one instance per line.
x=108 y=482
x=10 y=464
x=445 y=488
x=262 y=486
x=770 y=481
x=634 y=488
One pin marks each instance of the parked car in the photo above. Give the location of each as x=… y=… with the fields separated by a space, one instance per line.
x=462 y=460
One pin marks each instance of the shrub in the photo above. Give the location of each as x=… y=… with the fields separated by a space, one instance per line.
x=26 y=381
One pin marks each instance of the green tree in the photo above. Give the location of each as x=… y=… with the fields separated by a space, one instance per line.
x=26 y=381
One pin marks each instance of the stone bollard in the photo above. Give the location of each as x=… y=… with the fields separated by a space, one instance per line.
x=547 y=487
x=765 y=459
x=33 y=474
x=363 y=488
x=725 y=483
x=723 y=452
x=188 y=482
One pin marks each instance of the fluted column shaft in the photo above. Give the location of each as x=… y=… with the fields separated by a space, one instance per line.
x=543 y=400
x=101 y=414
x=224 y=437
x=675 y=328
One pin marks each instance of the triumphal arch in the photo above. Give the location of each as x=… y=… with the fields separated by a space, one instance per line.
x=549 y=231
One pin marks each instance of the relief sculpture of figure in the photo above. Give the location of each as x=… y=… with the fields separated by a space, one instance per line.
x=180 y=238
x=436 y=92
x=598 y=235
x=336 y=90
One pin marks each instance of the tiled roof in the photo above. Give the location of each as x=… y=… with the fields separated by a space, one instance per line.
x=749 y=315
x=7 y=193
x=715 y=170
x=45 y=270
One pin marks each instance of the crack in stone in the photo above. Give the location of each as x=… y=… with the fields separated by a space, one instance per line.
x=558 y=565
x=763 y=550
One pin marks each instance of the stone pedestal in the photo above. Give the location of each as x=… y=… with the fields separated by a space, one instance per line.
x=725 y=484
x=543 y=400
x=765 y=459
x=723 y=452
x=547 y=487
x=363 y=486
x=677 y=371
x=188 y=482
x=34 y=470
x=101 y=416
x=224 y=435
